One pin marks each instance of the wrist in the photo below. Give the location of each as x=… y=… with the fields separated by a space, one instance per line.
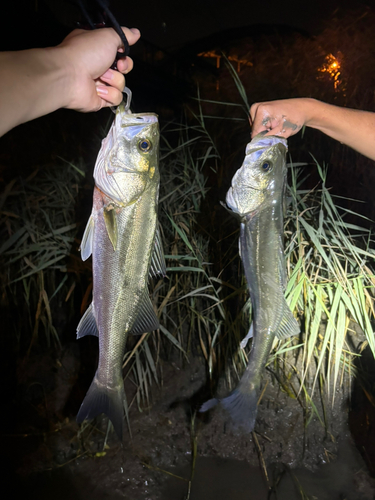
x=314 y=111
x=62 y=76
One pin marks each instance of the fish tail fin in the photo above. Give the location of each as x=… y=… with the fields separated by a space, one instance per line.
x=241 y=404
x=102 y=399
x=242 y=408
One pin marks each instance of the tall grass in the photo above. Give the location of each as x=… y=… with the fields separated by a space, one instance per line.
x=331 y=280
x=203 y=305
x=37 y=232
x=329 y=263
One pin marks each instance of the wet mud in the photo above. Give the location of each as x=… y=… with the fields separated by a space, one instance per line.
x=175 y=453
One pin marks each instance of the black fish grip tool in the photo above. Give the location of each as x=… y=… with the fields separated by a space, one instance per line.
x=105 y=19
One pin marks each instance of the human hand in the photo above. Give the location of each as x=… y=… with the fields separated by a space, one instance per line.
x=282 y=118
x=87 y=56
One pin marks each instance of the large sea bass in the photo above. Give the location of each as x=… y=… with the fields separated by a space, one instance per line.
x=257 y=197
x=123 y=239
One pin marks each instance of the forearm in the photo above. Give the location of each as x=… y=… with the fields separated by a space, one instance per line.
x=286 y=117
x=32 y=83
x=75 y=75
x=352 y=127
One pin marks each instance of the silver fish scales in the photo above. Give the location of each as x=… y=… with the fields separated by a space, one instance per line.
x=124 y=241
x=257 y=198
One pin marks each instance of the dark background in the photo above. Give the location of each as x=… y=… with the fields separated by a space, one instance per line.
x=165 y=77
x=169 y=25
x=167 y=70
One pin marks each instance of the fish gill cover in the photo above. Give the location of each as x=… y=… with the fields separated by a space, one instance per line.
x=257 y=174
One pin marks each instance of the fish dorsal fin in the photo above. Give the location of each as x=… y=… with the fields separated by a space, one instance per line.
x=146 y=320
x=288 y=326
x=110 y=219
x=87 y=325
x=157 y=267
x=87 y=239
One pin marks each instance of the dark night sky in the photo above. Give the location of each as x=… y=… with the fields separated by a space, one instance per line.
x=168 y=24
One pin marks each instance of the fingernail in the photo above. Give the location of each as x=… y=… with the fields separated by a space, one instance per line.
x=135 y=31
x=102 y=90
x=108 y=74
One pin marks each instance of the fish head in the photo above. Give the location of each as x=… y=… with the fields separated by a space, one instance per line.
x=261 y=178
x=127 y=163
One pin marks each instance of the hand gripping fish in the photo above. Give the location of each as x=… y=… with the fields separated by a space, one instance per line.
x=124 y=241
x=257 y=196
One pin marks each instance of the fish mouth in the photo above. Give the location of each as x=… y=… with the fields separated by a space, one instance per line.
x=130 y=119
x=260 y=141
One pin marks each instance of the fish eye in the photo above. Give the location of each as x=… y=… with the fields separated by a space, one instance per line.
x=144 y=145
x=266 y=166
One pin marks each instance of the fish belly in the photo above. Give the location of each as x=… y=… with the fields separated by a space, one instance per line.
x=120 y=284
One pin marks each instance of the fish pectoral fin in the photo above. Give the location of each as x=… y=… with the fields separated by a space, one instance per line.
x=158 y=266
x=87 y=239
x=146 y=320
x=288 y=326
x=229 y=210
x=87 y=325
x=110 y=219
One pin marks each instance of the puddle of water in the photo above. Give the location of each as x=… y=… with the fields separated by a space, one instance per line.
x=218 y=479
x=346 y=478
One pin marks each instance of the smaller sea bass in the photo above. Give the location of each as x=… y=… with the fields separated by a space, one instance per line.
x=257 y=197
x=123 y=239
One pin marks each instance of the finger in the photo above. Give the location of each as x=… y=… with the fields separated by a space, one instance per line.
x=260 y=125
x=253 y=111
x=125 y=65
x=280 y=131
x=110 y=95
x=132 y=35
x=260 y=119
x=269 y=123
x=114 y=79
x=258 y=130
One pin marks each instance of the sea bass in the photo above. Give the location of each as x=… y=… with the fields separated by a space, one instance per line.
x=124 y=241
x=257 y=198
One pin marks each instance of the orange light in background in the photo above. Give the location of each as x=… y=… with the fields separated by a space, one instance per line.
x=233 y=59
x=236 y=60
x=332 y=67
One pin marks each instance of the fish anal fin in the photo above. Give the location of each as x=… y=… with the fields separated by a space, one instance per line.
x=158 y=266
x=249 y=336
x=288 y=326
x=87 y=239
x=110 y=219
x=146 y=320
x=87 y=325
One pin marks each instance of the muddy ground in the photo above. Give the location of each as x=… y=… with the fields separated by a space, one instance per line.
x=49 y=456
